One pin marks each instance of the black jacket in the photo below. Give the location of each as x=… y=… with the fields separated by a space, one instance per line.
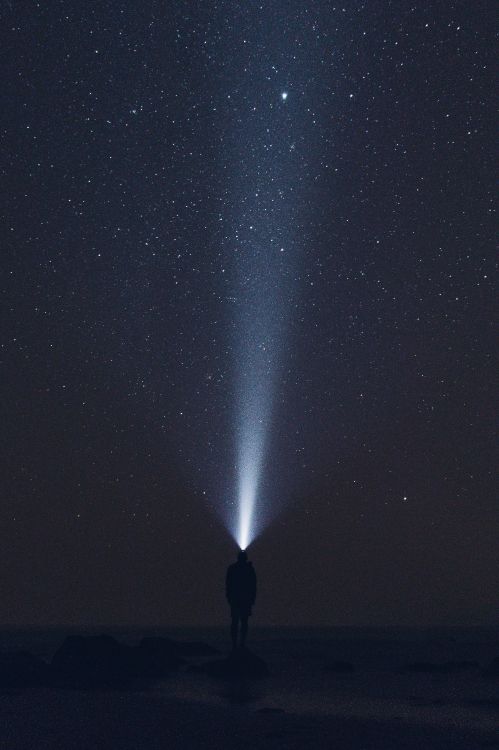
x=240 y=584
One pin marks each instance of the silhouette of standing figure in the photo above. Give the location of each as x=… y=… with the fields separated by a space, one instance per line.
x=240 y=590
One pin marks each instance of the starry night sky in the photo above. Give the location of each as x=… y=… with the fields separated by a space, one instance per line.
x=197 y=194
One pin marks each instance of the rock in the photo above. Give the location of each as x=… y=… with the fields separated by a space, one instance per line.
x=167 y=647
x=103 y=660
x=163 y=646
x=155 y=657
x=340 y=667
x=87 y=661
x=99 y=660
x=22 y=669
x=195 y=648
x=240 y=663
x=446 y=667
x=93 y=659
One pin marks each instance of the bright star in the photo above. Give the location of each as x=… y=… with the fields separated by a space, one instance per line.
x=284 y=95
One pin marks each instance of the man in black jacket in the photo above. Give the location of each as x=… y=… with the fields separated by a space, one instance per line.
x=240 y=590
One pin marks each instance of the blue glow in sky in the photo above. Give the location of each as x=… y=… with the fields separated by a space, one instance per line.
x=262 y=250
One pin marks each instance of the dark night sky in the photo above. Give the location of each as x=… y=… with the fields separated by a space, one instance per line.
x=160 y=197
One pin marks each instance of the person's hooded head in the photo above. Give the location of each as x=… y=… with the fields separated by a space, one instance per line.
x=242 y=557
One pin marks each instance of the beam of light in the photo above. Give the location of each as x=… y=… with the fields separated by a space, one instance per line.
x=261 y=271
x=261 y=248
x=260 y=335
x=247 y=495
x=255 y=416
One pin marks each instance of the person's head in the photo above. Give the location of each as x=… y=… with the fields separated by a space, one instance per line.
x=242 y=556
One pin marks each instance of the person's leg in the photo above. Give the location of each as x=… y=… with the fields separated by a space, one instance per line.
x=244 y=630
x=233 y=628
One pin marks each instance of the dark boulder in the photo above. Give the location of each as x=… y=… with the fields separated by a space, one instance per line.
x=22 y=669
x=165 y=646
x=155 y=657
x=240 y=664
x=100 y=660
x=87 y=661
x=168 y=648
x=195 y=649
x=91 y=659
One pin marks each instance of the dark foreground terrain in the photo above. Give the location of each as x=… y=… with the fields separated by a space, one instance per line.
x=338 y=689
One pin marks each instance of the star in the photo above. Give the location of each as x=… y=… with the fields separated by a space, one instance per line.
x=284 y=95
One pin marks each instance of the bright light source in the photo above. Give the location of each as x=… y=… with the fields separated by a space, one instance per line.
x=259 y=316
x=250 y=464
x=246 y=508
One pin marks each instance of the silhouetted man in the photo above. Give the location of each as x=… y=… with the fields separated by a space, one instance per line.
x=240 y=590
